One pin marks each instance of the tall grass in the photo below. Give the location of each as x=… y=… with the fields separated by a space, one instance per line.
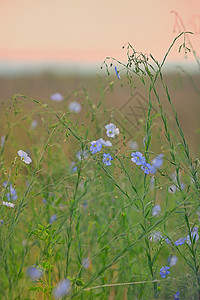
x=91 y=224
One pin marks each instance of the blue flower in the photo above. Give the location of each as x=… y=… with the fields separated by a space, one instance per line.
x=194 y=235
x=156 y=236
x=57 y=97
x=172 y=260
x=86 y=263
x=12 y=193
x=146 y=168
x=167 y=240
x=180 y=242
x=156 y=210
x=138 y=158
x=75 y=106
x=156 y=163
x=96 y=147
x=62 y=289
x=164 y=271
x=83 y=154
x=177 y=295
x=34 y=124
x=34 y=273
x=24 y=157
x=105 y=143
x=117 y=73
x=1 y=222
x=2 y=140
x=52 y=218
x=111 y=130
x=73 y=166
x=107 y=159
x=85 y=204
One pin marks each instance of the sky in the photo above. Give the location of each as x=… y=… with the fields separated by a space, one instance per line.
x=90 y=30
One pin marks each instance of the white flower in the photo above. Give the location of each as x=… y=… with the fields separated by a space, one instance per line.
x=8 y=204
x=24 y=157
x=112 y=130
x=75 y=106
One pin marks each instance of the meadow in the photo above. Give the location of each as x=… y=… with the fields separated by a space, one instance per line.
x=100 y=183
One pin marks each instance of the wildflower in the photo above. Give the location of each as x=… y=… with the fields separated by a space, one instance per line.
x=75 y=106
x=156 y=210
x=155 y=237
x=73 y=166
x=34 y=272
x=82 y=154
x=52 y=218
x=12 y=193
x=172 y=188
x=1 y=222
x=2 y=140
x=138 y=158
x=62 y=289
x=117 y=73
x=172 y=260
x=194 y=235
x=24 y=157
x=8 y=204
x=177 y=295
x=96 y=147
x=146 y=168
x=107 y=159
x=156 y=163
x=105 y=143
x=152 y=182
x=44 y=201
x=85 y=263
x=167 y=240
x=112 y=130
x=57 y=97
x=133 y=145
x=34 y=124
x=180 y=242
x=164 y=271
x=85 y=204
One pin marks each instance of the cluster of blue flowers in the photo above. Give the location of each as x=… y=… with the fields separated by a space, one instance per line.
x=194 y=235
x=96 y=146
x=139 y=160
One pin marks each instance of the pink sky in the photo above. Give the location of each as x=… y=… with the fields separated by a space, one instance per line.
x=90 y=30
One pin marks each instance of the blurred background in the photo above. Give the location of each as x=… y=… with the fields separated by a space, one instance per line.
x=59 y=46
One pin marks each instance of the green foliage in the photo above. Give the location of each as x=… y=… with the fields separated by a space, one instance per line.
x=104 y=237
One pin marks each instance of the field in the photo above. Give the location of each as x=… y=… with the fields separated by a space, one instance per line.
x=86 y=218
